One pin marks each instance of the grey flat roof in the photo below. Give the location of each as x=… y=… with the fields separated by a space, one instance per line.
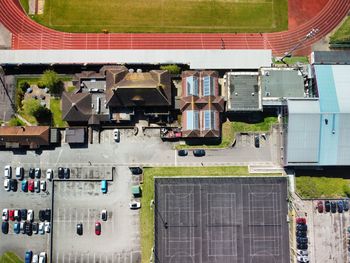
x=330 y=57
x=221 y=219
x=243 y=92
x=75 y=135
x=197 y=59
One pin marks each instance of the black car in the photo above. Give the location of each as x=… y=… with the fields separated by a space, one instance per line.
x=136 y=170
x=256 y=141
x=346 y=205
x=35 y=227
x=333 y=207
x=301 y=227
x=60 y=173
x=302 y=246
x=301 y=234
x=80 y=229
x=302 y=240
x=66 y=172
x=199 y=152
x=5 y=227
x=24 y=214
x=327 y=206
x=47 y=215
x=42 y=215
x=31 y=173
x=28 y=228
x=13 y=185
x=182 y=152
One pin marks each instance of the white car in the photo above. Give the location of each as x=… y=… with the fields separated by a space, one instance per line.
x=41 y=228
x=35 y=258
x=42 y=257
x=8 y=171
x=19 y=172
x=37 y=186
x=49 y=174
x=302 y=252
x=116 y=135
x=134 y=205
x=47 y=227
x=303 y=259
x=43 y=185
x=5 y=214
x=7 y=184
x=30 y=215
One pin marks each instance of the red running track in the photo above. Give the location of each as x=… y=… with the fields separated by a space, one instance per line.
x=27 y=34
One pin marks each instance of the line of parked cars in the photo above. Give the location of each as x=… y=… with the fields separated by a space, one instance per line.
x=25 y=221
x=332 y=206
x=29 y=257
x=104 y=216
x=196 y=152
x=302 y=240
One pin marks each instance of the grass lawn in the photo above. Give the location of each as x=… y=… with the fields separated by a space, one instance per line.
x=229 y=130
x=55 y=107
x=322 y=187
x=10 y=257
x=166 y=15
x=293 y=60
x=147 y=217
x=25 y=5
x=342 y=35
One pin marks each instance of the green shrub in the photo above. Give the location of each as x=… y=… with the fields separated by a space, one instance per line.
x=15 y=122
x=173 y=69
x=51 y=80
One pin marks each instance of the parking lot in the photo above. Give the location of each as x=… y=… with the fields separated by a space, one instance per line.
x=327 y=233
x=82 y=202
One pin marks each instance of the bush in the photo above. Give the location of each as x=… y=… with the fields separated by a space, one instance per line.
x=43 y=115
x=173 y=69
x=15 y=122
x=346 y=189
x=19 y=98
x=51 y=80
x=24 y=86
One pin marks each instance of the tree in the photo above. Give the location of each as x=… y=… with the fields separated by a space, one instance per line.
x=51 y=80
x=173 y=69
x=43 y=115
x=30 y=106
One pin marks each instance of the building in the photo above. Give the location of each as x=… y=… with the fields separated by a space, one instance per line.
x=317 y=130
x=243 y=92
x=32 y=137
x=201 y=104
x=278 y=84
x=339 y=57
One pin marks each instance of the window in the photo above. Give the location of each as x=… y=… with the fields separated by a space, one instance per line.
x=192 y=86
x=192 y=120
x=208 y=86
x=209 y=120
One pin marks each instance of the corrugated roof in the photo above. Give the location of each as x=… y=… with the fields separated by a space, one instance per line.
x=330 y=57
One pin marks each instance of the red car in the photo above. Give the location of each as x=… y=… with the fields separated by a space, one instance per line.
x=12 y=215
x=301 y=220
x=320 y=206
x=31 y=185
x=98 y=228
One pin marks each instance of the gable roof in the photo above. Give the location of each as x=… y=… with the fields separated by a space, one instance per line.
x=76 y=107
x=32 y=136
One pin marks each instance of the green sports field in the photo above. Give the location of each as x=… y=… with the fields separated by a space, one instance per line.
x=165 y=15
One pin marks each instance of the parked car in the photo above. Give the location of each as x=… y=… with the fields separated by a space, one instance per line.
x=80 y=229
x=24 y=214
x=104 y=186
x=302 y=240
x=47 y=215
x=66 y=173
x=98 y=228
x=28 y=228
x=19 y=172
x=320 y=206
x=13 y=185
x=31 y=185
x=346 y=205
x=5 y=227
x=31 y=173
x=301 y=227
x=302 y=246
x=16 y=228
x=134 y=205
x=182 y=152
x=22 y=227
x=60 y=173
x=302 y=252
x=136 y=170
x=42 y=215
x=42 y=257
x=340 y=206
x=28 y=256
x=35 y=258
x=17 y=215
x=12 y=215
x=116 y=135
x=41 y=228
x=47 y=227
x=104 y=215
x=7 y=184
x=302 y=259
x=37 y=173
x=256 y=141
x=199 y=152
x=25 y=186
x=301 y=220
x=37 y=186
x=301 y=233
x=8 y=171
x=333 y=207
x=30 y=215
x=5 y=214
x=43 y=186
x=49 y=174
x=35 y=228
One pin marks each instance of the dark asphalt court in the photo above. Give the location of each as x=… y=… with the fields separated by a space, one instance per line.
x=221 y=220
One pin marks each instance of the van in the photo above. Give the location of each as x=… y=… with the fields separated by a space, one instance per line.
x=104 y=186
x=19 y=172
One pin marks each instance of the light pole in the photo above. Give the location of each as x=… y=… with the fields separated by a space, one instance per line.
x=309 y=35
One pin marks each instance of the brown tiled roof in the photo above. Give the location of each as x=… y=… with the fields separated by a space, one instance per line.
x=76 y=107
x=32 y=136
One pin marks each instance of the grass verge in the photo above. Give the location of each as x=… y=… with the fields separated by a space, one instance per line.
x=10 y=257
x=25 y=5
x=322 y=187
x=293 y=60
x=342 y=35
x=55 y=107
x=147 y=217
